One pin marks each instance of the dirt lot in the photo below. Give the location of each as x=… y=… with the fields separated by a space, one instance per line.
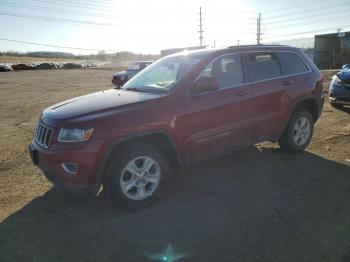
x=259 y=204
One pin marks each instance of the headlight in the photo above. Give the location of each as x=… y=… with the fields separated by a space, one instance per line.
x=336 y=81
x=75 y=134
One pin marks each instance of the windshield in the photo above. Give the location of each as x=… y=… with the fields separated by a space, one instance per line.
x=161 y=75
x=134 y=67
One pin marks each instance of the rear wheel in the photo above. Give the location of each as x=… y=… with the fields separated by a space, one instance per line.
x=298 y=133
x=136 y=176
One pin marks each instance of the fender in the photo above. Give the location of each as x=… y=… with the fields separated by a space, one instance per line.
x=117 y=142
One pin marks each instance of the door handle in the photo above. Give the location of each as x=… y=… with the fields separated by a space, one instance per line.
x=242 y=93
x=287 y=82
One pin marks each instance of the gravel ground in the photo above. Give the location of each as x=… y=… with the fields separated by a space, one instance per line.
x=258 y=204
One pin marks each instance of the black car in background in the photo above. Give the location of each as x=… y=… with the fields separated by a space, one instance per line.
x=122 y=77
x=339 y=90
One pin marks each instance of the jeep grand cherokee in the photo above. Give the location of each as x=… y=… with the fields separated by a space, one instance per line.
x=183 y=108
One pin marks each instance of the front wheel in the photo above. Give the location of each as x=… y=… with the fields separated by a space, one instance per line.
x=136 y=176
x=298 y=133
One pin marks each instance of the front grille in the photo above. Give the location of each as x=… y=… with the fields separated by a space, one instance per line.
x=42 y=135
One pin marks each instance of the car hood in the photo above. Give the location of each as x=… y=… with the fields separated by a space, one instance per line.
x=95 y=103
x=344 y=74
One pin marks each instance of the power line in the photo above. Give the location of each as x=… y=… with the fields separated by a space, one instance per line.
x=103 y=2
x=308 y=17
x=309 y=32
x=91 y=3
x=56 y=46
x=314 y=9
x=55 y=10
x=68 y=3
x=294 y=6
x=318 y=19
x=55 y=19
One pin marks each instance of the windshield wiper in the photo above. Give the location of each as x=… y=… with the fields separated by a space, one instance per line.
x=134 y=89
x=162 y=84
x=148 y=89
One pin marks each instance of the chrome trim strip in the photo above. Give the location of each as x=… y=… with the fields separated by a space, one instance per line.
x=42 y=135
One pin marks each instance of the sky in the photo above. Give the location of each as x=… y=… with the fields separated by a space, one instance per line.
x=149 y=26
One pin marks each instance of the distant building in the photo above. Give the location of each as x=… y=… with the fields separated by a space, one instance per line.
x=166 y=52
x=332 y=50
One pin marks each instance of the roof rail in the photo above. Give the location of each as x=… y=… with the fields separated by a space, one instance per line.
x=260 y=45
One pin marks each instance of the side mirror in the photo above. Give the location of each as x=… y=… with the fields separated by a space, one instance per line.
x=204 y=84
x=345 y=66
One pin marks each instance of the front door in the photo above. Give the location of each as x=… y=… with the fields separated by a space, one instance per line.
x=217 y=119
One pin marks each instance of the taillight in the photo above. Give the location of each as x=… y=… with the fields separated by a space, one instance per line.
x=322 y=77
x=319 y=84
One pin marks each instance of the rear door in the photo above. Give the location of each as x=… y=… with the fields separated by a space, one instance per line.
x=217 y=119
x=271 y=94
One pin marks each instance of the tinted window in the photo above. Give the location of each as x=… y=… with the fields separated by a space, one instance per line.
x=291 y=63
x=134 y=67
x=227 y=70
x=263 y=66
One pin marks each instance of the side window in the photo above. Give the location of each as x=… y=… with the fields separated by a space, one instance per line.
x=291 y=63
x=263 y=66
x=207 y=71
x=227 y=70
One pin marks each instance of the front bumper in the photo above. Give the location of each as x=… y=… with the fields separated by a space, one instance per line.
x=338 y=102
x=339 y=94
x=85 y=182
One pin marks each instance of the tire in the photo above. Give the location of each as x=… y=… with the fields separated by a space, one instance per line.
x=337 y=106
x=298 y=133
x=135 y=178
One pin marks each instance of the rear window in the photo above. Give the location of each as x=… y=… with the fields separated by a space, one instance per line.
x=264 y=66
x=291 y=63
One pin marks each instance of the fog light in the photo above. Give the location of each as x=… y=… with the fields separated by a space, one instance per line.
x=70 y=168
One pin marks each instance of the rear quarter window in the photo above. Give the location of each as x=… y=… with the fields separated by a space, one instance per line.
x=291 y=63
x=263 y=66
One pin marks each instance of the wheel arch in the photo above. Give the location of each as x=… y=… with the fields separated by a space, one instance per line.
x=159 y=138
x=309 y=103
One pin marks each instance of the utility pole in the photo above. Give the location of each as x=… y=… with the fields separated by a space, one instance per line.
x=237 y=42
x=200 y=27
x=258 y=29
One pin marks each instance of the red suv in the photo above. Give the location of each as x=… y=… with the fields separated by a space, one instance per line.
x=183 y=108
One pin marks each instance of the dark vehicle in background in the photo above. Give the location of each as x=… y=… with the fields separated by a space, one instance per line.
x=45 y=66
x=120 y=78
x=183 y=108
x=71 y=66
x=23 y=67
x=339 y=89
